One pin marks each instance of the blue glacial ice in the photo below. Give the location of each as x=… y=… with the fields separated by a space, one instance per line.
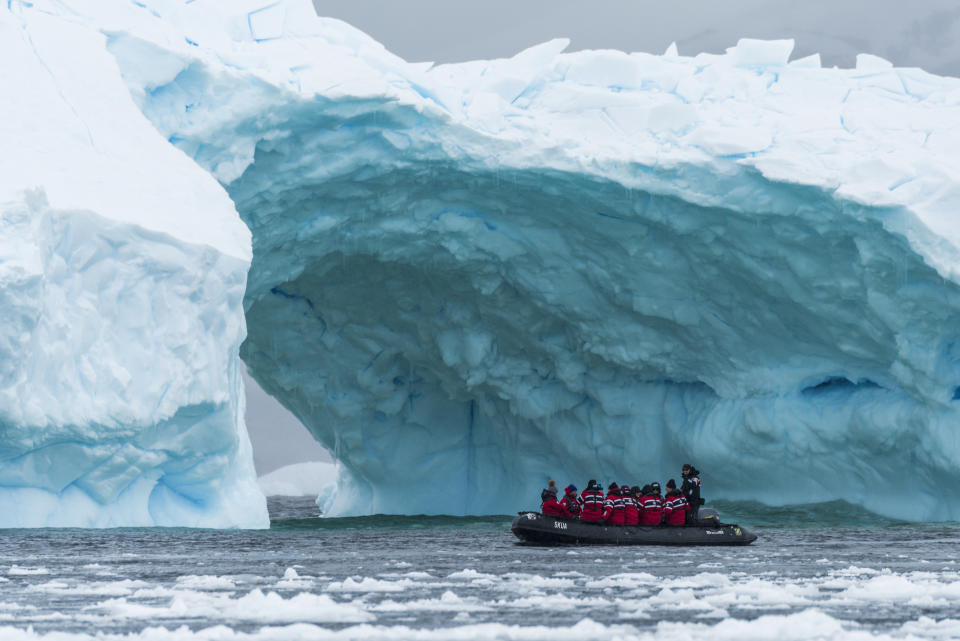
x=122 y=273
x=469 y=278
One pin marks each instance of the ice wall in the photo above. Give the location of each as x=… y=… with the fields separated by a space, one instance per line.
x=469 y=278
x=122 y=273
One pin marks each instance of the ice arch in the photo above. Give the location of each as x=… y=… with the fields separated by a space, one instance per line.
x=471 y=277
x=504 y=328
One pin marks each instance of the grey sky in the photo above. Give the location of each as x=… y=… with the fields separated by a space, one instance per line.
x=923 y=33
x=278 y=438
x=918 y=33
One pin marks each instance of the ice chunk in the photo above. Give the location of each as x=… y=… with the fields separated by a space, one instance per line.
x=812 y=61
x=761 y=52
x=869 y=62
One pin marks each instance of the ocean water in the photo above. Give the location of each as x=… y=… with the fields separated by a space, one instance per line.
x=817 y=572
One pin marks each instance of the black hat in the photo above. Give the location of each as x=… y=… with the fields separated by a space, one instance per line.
x=591 y=484
x=635 y=489
x=671 y=484
x=646 y=488
x=655 y=487
x=612 y=486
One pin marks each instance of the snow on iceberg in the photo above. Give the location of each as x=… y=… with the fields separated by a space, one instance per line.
x=122 y=273
x=599 y=264
x=473 y=277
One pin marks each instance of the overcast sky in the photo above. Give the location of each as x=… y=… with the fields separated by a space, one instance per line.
x=924 y=33
x=909 y=33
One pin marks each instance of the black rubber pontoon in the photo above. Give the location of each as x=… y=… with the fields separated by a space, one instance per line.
x=533 y=527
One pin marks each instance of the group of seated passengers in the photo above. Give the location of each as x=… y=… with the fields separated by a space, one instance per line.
x=625 y=505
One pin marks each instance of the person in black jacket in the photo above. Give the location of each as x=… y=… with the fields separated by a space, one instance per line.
x=691 y=490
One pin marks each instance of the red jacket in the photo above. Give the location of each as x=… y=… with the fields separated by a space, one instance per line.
x=675 y=509
x=613 y=508
x=592 y=501
x=631 y=510
x=552 y=507
x=651 y=512
x=571 y=504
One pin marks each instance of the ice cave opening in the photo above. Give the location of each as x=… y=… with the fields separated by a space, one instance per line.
x=486 y=332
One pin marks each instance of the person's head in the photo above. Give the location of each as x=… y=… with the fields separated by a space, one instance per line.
x=612 y=487
x=592 y=484
x=646 y=489
x=671 y=485
x=635 y=490
x=655 y=487
x=570 y=490
x=685 y=470
x=552 y=484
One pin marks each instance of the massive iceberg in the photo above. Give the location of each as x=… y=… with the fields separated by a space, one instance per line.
x=123 y=267
x=469 y=278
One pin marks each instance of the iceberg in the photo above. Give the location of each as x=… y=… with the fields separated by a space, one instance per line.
x=123 y=267
x=475 y=277
x=313 y=478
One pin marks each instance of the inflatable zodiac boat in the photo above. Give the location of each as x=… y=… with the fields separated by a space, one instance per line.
x=533 y=527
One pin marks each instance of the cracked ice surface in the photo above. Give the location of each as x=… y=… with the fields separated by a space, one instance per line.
x=474 y=277
x=122 y=273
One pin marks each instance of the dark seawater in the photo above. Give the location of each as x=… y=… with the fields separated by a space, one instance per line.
x=813 y=574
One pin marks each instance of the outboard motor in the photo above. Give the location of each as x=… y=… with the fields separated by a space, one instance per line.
x=708 y=516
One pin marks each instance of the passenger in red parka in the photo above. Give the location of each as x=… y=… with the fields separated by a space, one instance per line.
x=613 y=506
x=550 y=505
x=631 y=508
x=675 y=506
x=651 y=506
x=592 y=501
x=570 y=501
